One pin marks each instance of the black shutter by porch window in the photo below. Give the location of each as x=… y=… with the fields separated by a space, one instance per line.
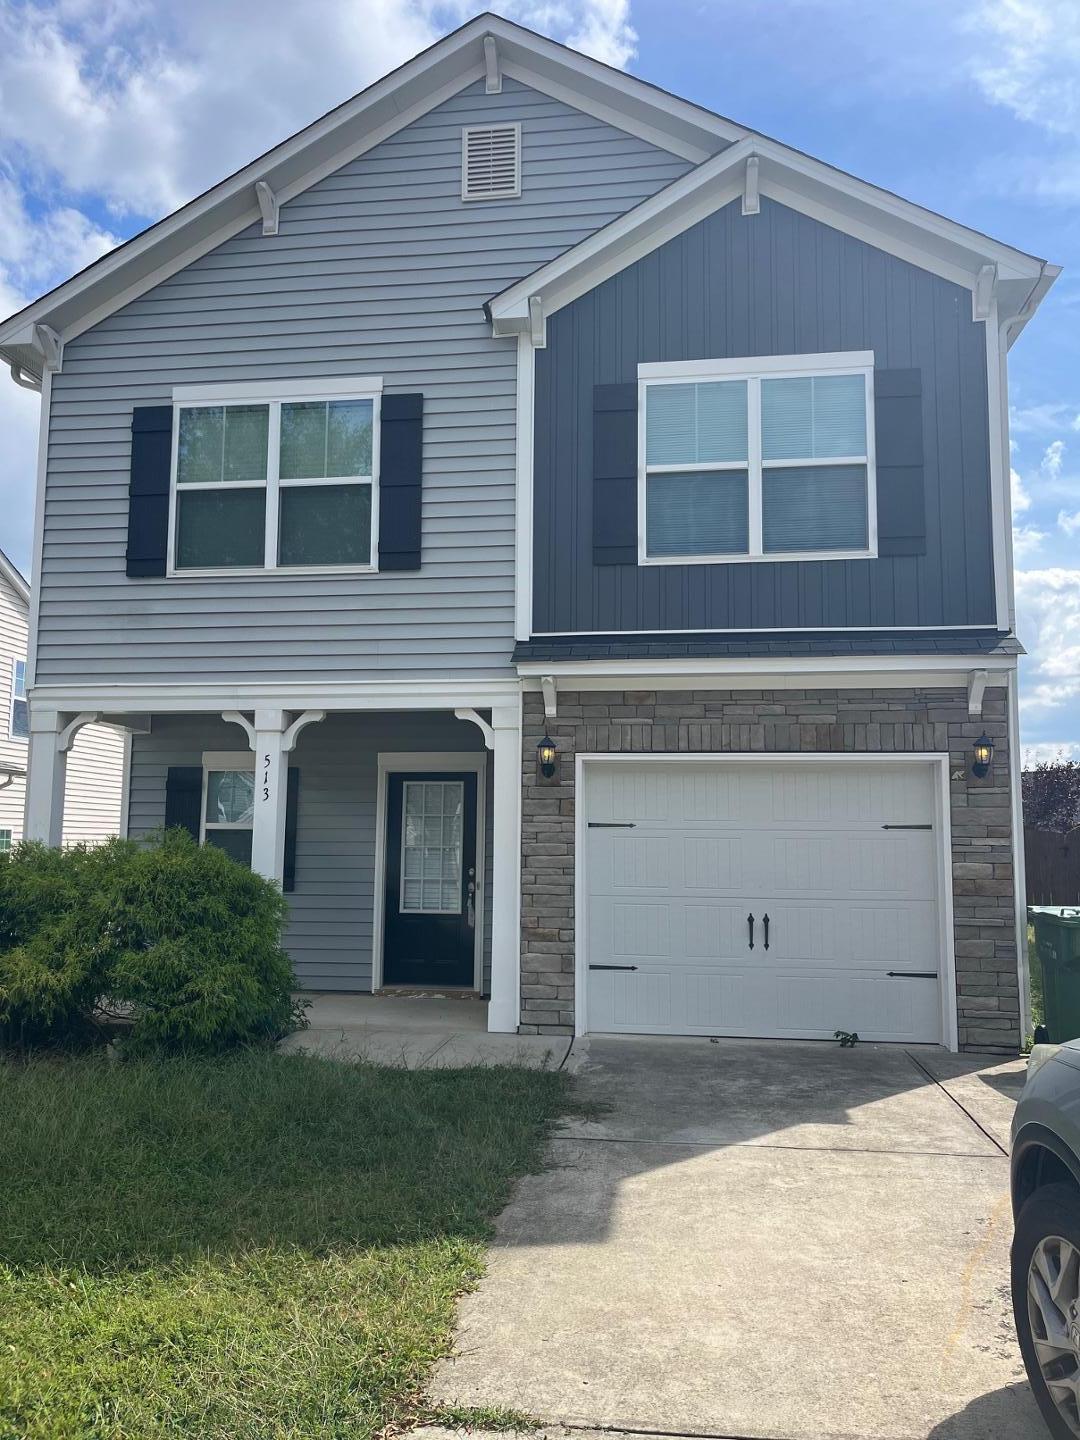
x=292 y=799
x=901 y=484
x=148 y=490
x=401 y=448
x=183 y=798
x=615 y=464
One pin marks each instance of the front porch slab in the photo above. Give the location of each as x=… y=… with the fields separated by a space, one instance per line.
x=417 y=1032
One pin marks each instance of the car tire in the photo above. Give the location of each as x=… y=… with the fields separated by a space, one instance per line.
x=1050 y=1213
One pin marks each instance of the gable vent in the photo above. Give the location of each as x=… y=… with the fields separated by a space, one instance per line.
x=490 y=162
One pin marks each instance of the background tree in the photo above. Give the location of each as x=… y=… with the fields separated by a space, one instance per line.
x=1051 y=792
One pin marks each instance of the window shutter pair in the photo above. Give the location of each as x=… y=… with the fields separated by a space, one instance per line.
x=400 y=486
x=183 y=810
x=901 y=497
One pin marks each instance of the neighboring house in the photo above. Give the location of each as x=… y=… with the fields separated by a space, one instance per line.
x=519 y=399
x=93 y=803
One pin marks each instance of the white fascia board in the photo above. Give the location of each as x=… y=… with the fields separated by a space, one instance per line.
x=827 y=669
x=15 y=579
x=896 y=226
x=402 y=693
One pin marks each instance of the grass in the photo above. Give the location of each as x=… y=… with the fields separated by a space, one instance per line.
x=264 y=1246
x=1038 y=1011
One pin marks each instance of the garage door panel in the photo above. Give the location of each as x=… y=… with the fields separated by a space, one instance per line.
x=684 y=851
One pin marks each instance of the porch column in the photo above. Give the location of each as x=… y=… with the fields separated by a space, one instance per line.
x=271 y=787
x=504 y=1007
x=46 y=767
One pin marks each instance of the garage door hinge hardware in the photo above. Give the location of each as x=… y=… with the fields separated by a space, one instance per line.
x=612 y=967
x=911 y=974
x=612 y=824
x=907 y=827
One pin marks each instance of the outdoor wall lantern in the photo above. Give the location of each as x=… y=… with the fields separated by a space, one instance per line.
x=983 y=753
x=545 y=754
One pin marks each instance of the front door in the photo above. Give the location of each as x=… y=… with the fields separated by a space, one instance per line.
x=431 y=890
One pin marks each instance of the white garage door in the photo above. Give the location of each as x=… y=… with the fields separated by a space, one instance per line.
x=788 y=899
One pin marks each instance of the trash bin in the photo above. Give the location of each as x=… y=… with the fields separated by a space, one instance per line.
x=1057 y=949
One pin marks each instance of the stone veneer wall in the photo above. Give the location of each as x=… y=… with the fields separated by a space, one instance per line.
x=870 y=721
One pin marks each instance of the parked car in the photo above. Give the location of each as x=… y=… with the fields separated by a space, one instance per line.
x=1046 y=1242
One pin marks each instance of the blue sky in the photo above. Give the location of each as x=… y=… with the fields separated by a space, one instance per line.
x=113 y=112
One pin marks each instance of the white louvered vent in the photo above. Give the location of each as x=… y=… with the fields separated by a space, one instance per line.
x=490 y=162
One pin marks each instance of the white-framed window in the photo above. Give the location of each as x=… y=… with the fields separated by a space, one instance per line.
x=432 y=838
x=5 y=841
x=769 y=458
x=19 y=718
x=275 y=476
x=228 y=802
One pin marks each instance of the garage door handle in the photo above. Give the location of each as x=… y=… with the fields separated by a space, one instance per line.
x=907 y=827
x=611 y=824
x=612 y=967
x=912 y=974
x=750 y=922
x=765 y=922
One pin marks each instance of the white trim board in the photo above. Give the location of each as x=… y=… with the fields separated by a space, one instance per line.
x=402 y=692
x=473 y=762
x=938 y=761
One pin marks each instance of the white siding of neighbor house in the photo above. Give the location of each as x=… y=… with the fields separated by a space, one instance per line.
x=378 y=270
x=95 y=773
x=330 y=929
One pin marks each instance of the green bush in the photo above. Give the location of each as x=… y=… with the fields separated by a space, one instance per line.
x=175 y=942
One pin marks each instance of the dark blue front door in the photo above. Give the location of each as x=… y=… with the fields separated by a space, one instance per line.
x=430 y=902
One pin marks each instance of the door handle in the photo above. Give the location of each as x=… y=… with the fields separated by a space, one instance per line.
x=470 y=910
x=765 y=922
x=750 y=922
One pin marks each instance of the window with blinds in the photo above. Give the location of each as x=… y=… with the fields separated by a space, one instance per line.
x=491 y=162
x=757 y=460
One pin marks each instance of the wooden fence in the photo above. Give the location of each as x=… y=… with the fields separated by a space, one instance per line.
x=1052 y=863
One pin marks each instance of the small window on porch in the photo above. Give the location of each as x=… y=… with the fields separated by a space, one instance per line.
x=229 y=811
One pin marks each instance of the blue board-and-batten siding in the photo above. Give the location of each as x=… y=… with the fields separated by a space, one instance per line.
x=775 y=283
x=378 y=269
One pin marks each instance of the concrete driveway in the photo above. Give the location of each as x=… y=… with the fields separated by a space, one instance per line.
x=770 y=1241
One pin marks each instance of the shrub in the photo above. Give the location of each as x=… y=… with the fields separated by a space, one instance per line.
x=176 y=939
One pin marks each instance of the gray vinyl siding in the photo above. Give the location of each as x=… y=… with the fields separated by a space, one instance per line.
x=329 y=934
x=379 y=269
x=772 y=284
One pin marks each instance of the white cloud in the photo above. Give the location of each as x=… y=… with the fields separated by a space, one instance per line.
x=1027 y=539
x=1048 y=622
x=1021 y=499
x=1069 y=523
x=1050 y=750
x=1042 y=418
x=1028 y=59
x=1053 y=459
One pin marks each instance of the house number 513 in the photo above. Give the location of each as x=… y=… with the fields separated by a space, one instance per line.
x=266 y=777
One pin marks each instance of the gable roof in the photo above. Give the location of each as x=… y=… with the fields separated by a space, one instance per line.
x=15 y=578
x=386 y=106
x=33 y=338
x=994 y=272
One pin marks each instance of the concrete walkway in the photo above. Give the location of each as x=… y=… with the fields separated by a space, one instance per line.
x=417 y=1030
x=777 y=1242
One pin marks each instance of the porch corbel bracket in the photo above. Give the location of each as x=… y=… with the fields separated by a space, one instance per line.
x=548 y=686
x=292 y=733
x=537 y=323
x=234 y=717
x=982 y=297
x=977 y=682
x=751 y=199
x=268 y=207
x=492 y=75
x=485 y=729
x=51 y=346
x=66 y=736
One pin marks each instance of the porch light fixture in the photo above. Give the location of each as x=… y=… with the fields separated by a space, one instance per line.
x=983 y=752
x=545 y=755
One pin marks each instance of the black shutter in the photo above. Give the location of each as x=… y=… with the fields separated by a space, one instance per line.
x=401 y=446
x=615 y=462
x=183 y=798
x=148 y=491
x=901 y=486
x=292 y=796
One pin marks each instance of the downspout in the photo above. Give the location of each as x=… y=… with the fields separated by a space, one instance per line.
x=28 y=382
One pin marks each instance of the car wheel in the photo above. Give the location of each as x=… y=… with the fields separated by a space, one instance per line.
x=1046 y=1303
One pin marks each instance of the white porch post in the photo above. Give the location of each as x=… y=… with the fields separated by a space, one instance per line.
x=46 y=767
x=504 y=1007
x=271 y=786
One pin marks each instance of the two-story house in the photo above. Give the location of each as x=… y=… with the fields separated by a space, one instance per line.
x=563 y=537
x=95 y=772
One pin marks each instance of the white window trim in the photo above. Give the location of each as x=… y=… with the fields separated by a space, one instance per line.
x=17 y=739
x=753 y=370
x=466 y=131
x=216 y=760
x=274 y=394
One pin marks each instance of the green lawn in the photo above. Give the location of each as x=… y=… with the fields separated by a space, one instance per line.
x=264 y=1246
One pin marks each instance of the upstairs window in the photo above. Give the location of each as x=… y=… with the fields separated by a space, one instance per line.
x=19 y=719
x=285 y=482
x=767 y=459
